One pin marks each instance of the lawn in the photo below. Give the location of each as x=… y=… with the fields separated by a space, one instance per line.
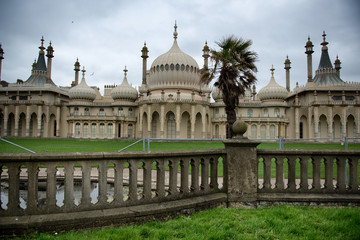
x=280 y=222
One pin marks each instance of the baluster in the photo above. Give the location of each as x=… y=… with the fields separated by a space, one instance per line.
x=14 y=183
x=147 y=167
x=86 y=184
x=267 y=173
x=291 y=174
x=194 y=175
x=204 y=175
x=118 y=182
x=214 y=172
x=69 y=185
x=32 y=201
x=279 y=173
x=103 y=182
x=133 y=180
x=304 y=166
x=160 y=178
x=184 y=188
x=353 y=181
x=329 y=184
x=341 y=161
x=51 y=187
x=316 y=162
x=173 y=166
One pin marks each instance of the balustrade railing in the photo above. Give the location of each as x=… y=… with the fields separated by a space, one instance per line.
x=32 y=184
x=308 y=171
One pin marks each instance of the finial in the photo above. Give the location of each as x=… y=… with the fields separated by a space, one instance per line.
x=125 y=71
x=324 y=36
x=42 y=45
x=308 y=37
x=83 y=72
x=175 y=32
x=272 y=70
x=324 y=43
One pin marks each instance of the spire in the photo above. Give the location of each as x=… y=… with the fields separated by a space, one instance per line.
x=40 y=65
x=175 y=32
x=125 y=72
x=272 y=69
x=42 y=45
x=324 y=43
x=324 y=59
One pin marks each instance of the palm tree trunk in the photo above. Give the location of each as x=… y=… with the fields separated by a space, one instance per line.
x=231 y=118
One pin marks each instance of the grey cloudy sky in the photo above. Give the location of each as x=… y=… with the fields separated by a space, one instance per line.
x=107 y=35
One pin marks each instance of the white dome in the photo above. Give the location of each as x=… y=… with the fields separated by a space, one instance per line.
x=174 y=70
x=82 y=91
x=272 y=91
x=124 y=91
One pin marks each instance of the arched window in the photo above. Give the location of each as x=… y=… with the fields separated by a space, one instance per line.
x=130 y=112
x=277 y=112
x=101 y=112
x=86 y=112
x=250 y=112
x=217 y=131
x=86 y=130
x=93 y=130
x=266 y=112
x=101 y=130
x=110 y=130
x=130 y=131
x=263 y=132
x=120 y=111
x=76 y=111
x=272 y=131
x=171 y=126
x=253 y=131
x=77 y=130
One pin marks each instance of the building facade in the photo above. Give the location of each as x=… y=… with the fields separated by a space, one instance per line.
x=173 y=103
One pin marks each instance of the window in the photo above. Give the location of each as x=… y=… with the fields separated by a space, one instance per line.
x=120 y=112
x=250 y=112
x=93 y=130
x=253 y=131
x=76 y=111
x=130 y=112
x=101 y=130
x=272 y=131
x=217 y=131
x=86 y=112
x=266 y=112
x=110 y=131
x=130 y=131
x=171 y=126
x=86 y=130
x=277 y=112
x=263 y=132
x=217 y=113
x=102 y=112
x=77 y=130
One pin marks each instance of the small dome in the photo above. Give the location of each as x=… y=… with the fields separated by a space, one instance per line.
x=82 y=91
x=124 y=91
x=272 y=91
x=217 y=94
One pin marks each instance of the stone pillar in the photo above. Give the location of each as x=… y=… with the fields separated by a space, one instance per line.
x=162 y=120
x=316 y=122
x=46 y=121
x=192 y=121
x=297 y=124
x=6 y=118
x=149 y=119
x=16 y=129
x=204 y=122
x=178 y=120
x=343 y=122
x=241 y=171
x=27 y=121
x=330 y=122
x=310 y=126
x=39 y=120
x=58 y=121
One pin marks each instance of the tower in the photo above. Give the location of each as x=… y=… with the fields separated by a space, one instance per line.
x=337 y=66
x=49 y=55
x=144 y=56
x=1 y=58
x=206 y=55
x=309 y=50
x=287 y=69
x=77 y=69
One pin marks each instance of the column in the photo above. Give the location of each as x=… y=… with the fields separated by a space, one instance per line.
x=192 y=121
x=16 y=129
x=316 y=122
x=204 y=122
x=47 y=121
x=310 y=126
x=162 y=120
x=267 y=131
x=39 y=114
x=178 y=120
x=330 y=122
x=149 y=118
x=297 y=125
x=6 y=118
x=58 y=121
x=343 y=122
x=27 y=123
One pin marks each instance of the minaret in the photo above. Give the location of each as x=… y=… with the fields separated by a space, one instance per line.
x=77 y=69
x=337 y=66
x=144 y=56
x=1 y=58
x=49 y=55
x=287 y=69
x=206 y=55
x=309 y=50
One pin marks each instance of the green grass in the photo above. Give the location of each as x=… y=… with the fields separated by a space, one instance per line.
x=280 y=222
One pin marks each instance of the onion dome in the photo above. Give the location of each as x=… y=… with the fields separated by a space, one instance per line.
x=82 y=91
x=124 y=91
x=272 y=91
x=174 y=70
x=217 y=94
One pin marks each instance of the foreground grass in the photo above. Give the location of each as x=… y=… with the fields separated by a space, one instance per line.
x=281 y=222
x=76 y=145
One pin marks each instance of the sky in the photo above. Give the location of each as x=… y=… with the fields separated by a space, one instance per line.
x=108 y=35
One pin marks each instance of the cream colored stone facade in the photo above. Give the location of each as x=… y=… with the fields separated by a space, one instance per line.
x=172 y=103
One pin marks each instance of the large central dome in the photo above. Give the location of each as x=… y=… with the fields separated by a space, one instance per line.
x=174 y=70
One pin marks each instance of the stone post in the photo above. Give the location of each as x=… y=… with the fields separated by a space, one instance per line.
x=241 y=168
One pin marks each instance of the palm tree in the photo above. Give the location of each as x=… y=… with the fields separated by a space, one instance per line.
x=234 y=69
